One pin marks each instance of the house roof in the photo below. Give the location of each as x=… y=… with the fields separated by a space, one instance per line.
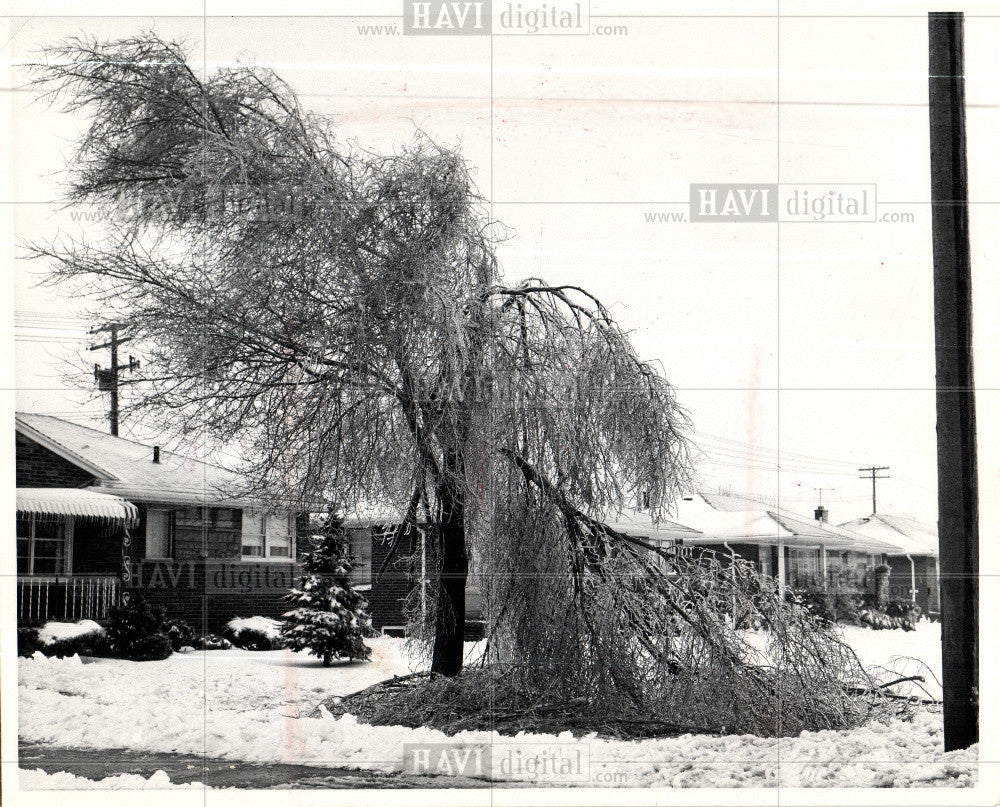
x=78 y=503
x=631 y=521
x=125 y=468
x=638 y=523
x=726 y=517
x=905 y=535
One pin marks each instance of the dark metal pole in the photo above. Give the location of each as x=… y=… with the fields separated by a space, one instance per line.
x=114 y=388
x=958 y=503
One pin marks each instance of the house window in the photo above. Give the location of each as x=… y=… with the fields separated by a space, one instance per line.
x=24 y=546
x=268 y=536
x=360 y=550
x=278 y=536
x=253 y=534
x=42 y=546
x=159 y=534
x=803 y=566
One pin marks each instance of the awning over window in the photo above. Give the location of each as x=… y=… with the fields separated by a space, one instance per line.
x=78 y=503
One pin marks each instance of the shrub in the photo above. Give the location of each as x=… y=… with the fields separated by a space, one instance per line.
x=898 y=613
x=876 y=595
x=212 y=642
x=839 y=602
x=817 y=601
x=154 y=647
x=27 y=641
x=138 y=631
x=84 y=638
x=905 y=611
x=253 y=633
x=847 y=599
x=181 y=634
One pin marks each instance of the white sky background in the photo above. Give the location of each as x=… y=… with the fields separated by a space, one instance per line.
x=812 y=339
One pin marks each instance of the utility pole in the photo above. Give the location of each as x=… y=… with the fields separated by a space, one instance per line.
x=872 y=471
x=958 y=476
x=107 y=379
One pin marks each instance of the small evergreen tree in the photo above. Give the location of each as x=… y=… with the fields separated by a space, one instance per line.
x=330 y=617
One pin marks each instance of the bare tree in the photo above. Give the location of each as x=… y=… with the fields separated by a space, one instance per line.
x=341 y=313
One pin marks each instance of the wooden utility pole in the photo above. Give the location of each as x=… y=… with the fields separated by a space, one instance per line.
x=958 y=502
x=107 y=379
x=872 y=471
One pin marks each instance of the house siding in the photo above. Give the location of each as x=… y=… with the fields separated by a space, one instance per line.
x=206 y=582
x=388 y=593
x=38 y=467
x=208 y=593
x=928 y=595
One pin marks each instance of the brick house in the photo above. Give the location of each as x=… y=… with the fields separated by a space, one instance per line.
x=912 y=559
x=796 y=550
x=101 y=517
x=370 y=535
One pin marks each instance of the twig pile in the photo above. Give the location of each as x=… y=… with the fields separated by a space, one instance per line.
x=636 y=641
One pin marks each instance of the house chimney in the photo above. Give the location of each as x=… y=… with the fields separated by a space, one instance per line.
x=822 y=514
x=156 y=456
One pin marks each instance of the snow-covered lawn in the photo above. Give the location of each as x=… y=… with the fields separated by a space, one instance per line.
x=37 y=779
x=261 y=707
x=916 y=652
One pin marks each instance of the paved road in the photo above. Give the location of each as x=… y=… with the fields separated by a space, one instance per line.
x=182 y=768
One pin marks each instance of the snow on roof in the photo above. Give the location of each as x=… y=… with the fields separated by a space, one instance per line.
x=371 y=515
x=905 y=535
x=126 y=468
x=638 y=523
x=629 y=520
x=727 y=517
x=78 y=503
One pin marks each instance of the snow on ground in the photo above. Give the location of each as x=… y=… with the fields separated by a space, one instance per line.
x=916 y=652
x=53 y=632
x=261 y=707
x=37 y=779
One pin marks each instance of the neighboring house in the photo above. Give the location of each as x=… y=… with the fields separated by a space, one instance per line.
x=387 y=582
x=913 y=558
x=371 y=534
x=101 y=516
x=795 y=549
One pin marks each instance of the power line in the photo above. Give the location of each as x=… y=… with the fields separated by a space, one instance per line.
x=765 y=449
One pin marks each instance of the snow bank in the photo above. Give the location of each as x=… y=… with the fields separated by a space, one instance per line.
x=262 y=707
x=37 y=779
x=54 y=632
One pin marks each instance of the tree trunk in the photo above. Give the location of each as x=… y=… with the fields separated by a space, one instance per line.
x=449 y=623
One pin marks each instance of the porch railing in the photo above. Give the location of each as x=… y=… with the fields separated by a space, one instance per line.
x=67 y=599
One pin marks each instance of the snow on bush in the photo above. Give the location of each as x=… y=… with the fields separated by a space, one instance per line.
x=330 y=616
x=70 y=638
x=54 y=632
x=254 y=633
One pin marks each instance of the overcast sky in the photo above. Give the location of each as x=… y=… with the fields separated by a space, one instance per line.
x=814 y=340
